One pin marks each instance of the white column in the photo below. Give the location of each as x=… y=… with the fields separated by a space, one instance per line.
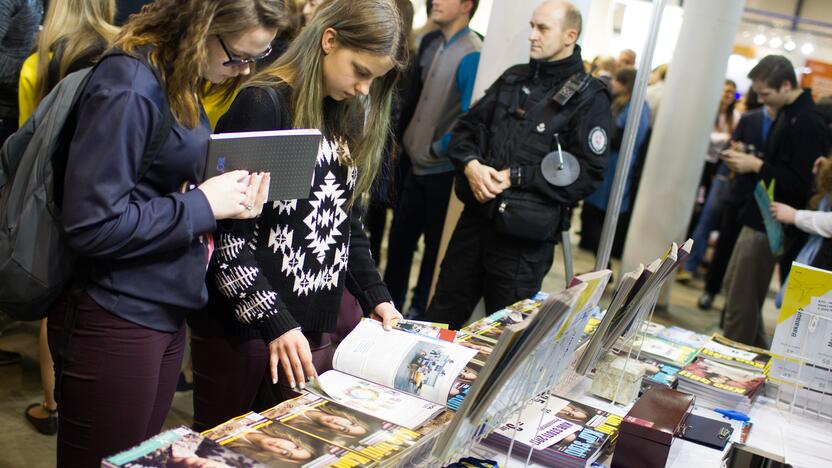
x=679 y=142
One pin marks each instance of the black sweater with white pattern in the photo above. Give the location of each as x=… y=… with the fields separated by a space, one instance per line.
x=288 y=268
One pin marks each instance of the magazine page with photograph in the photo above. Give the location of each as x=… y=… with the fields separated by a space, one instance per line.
x=179 y=447
x=374 y=399
x=410 y=363
x=274 y=445
x=361 y=433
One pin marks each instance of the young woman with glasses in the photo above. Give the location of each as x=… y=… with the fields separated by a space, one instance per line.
x=146 y=239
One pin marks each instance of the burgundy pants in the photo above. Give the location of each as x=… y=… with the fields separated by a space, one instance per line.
x=229 y=371
x=117 y=384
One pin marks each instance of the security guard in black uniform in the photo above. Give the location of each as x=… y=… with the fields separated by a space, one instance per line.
x=531 y=148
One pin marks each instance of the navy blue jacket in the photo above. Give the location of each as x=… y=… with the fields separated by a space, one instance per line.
x=143 y=238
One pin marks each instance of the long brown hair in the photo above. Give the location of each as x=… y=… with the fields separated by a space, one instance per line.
x=627 y=78
x=177 y=31
x=82 y=28
x=372 y=26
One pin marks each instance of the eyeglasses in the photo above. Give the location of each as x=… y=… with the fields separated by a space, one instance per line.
x=234 y=61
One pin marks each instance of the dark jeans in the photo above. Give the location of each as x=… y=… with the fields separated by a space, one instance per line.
x=592 y=226
x=421 y=210
x=729 y=231
x=480 y=263
x=709 y=220
x=228 y=372
x=117 y=383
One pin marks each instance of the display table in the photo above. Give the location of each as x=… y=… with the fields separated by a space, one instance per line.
x=800 y=440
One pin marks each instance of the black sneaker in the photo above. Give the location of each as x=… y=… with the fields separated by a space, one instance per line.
x=705 y=302
x=8 y=358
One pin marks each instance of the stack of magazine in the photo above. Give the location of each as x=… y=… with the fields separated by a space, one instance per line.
x=558 y=432
x=718 y=385
x=312 y=432
x=179 y=447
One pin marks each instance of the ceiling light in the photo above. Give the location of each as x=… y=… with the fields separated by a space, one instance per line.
x=760 y=39
x=775 y=42
x=789 y=46
x=807 y=48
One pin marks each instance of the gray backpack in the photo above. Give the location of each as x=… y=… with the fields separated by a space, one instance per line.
x=36 y=264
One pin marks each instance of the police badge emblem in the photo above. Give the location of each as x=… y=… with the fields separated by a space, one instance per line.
x=597 y=140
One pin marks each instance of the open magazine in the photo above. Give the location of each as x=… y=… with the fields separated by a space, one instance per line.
x=401 y=377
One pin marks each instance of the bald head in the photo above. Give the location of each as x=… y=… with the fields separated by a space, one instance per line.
x=556 y=26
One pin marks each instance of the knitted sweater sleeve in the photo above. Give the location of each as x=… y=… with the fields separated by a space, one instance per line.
x=363 y=279
x=238 y=274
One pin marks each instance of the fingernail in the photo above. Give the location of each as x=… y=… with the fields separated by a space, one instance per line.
x=292 y=385
x=302 y=386
x=274 y=380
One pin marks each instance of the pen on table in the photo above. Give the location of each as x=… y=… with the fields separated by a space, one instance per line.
x=733 y=414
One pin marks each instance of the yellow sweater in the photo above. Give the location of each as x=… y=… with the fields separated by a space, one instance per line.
x=26 y=89
x=214 y=104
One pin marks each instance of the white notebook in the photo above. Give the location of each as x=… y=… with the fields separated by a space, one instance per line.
x=289 y=155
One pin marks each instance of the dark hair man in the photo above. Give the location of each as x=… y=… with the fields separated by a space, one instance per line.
x=448 y=66
x=797 y=138
x=533 y=146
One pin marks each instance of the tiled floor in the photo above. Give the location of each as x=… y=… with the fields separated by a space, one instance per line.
x=22 y=446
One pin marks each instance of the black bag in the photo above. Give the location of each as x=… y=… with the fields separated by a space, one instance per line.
x=526 y=215
x=36 y=264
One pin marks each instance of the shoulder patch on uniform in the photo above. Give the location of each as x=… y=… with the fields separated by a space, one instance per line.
x=597 y=140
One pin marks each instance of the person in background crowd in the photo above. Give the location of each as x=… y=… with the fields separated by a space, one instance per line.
x=503 y=244
x=604 y=68
x=19 y=22
x=140 y=235
x=798 y=137
x=74 y=35
x=655 y=91
x=595 y=206
x=816 y=222
x=626 y=58
x=751 y=133
x=277 y=283
x=717 y=191
x=824 y=107
x=383 y=196
x=450 y=68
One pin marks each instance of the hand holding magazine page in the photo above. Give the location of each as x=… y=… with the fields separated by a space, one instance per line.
x=401 y=377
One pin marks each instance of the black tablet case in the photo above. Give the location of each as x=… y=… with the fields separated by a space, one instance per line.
x=708 y=432
x=289 y=155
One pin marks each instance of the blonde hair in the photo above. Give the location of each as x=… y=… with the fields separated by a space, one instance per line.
x=81 y=27
x=177 y=31
x=823 y=183
x=371 y=26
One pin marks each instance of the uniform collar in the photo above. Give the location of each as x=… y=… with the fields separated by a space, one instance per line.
x=563 y=68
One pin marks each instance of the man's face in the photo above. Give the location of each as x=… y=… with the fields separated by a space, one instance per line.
x=626 y=59
x=548 y=39
x=771 y=97
x=447 y=11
